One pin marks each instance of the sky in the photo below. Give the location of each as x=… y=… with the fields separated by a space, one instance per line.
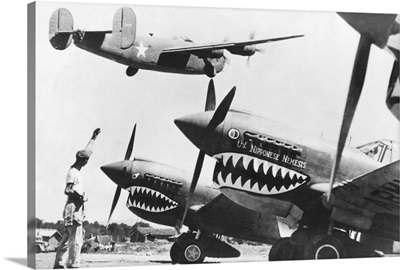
x=301 y=82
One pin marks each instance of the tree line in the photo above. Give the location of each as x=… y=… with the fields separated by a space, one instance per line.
x=119 y=232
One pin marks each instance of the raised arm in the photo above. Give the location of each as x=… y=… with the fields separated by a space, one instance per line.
x=89 y=146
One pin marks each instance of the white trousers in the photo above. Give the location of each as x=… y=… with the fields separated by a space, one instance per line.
x=72 y=242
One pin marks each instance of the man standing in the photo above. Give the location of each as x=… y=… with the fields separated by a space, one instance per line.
x=72 y=239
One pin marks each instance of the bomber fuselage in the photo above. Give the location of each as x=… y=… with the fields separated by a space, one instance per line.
x=145 y=53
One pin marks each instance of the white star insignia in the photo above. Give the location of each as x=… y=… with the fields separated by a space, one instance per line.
x=141 y=50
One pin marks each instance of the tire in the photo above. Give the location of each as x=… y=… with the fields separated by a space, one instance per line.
x=210 y=71
x=175 y=254
x=282 y=250
x=130 y=71
x=324 y=247
x=191 y=251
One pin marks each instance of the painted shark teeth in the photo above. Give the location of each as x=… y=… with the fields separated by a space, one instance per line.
x=245 y=161
x=264 y=177
x=146 y=205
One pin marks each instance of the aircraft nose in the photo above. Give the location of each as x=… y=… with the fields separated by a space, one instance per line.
x=194 y=127
x=117 y=172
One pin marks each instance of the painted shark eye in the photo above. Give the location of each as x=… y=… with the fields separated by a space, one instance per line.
x=233 y=133
x=136 y=175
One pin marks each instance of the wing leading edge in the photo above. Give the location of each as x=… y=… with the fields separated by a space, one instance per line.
x=370 y=202
x=376 y=191
x=192 y=47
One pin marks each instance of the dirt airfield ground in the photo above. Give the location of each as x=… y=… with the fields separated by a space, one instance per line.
x=151 y=253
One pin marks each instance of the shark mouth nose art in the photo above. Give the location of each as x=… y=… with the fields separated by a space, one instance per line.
x=251 y=174
x=149 y=200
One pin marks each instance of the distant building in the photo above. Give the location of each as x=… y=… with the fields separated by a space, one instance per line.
x=140 y=234
x=50 y=236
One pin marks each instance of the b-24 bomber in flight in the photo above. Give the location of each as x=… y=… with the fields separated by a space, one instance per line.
x=122 y=45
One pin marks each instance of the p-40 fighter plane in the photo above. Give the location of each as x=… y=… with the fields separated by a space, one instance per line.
x=158 y=193
x=151 y=53
x=272 y=169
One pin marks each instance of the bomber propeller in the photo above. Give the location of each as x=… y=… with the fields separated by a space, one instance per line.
x=217 y=118
x=255 y=49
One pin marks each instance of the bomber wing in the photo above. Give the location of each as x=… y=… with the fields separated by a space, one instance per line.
x=370 y=201
x=223 y=216
x=192 y=47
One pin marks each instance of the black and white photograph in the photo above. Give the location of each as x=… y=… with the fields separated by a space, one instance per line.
x=165 y=135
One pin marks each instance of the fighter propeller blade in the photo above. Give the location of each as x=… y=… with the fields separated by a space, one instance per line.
x=210 y=101
x=218 y=118
x=130 y=145
x=356 y=85
x=114 y=203
x=195 y=179
x=221 y=112
x=128 y=154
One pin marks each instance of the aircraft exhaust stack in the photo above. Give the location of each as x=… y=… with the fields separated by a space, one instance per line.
x=124 y=28
x=61 y=26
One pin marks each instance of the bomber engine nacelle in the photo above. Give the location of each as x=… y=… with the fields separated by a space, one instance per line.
x=248 y=50
x=215 y=54
x=124 y=28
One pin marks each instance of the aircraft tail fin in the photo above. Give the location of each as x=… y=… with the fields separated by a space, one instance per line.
x=124 y=28
x=61 y=26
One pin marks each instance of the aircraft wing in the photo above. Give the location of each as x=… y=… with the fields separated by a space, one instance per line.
x=223 y=216
x=192 y=47
x=370 y=202
x=377 y=191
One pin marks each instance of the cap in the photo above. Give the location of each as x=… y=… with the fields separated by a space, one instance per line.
x=83 y=154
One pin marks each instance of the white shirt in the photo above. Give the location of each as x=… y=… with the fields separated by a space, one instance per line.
x=74 y=177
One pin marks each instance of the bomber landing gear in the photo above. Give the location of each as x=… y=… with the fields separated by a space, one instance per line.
x=190 y=249
x=210 y=70
x=131 y=71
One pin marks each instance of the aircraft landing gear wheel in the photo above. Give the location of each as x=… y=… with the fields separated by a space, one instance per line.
x=282 y=250
x=192 y=251
x=131 y=71
x=209 y=70
x=175 y=254
x=324 y=247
